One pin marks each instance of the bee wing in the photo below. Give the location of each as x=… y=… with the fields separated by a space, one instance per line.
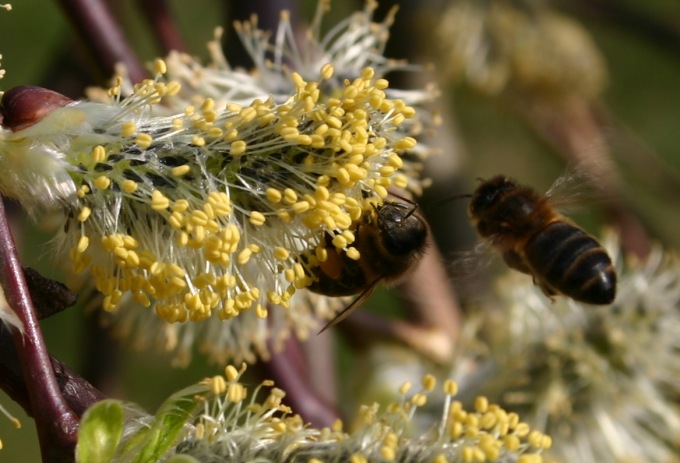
x=574 y=189
x=356 y=303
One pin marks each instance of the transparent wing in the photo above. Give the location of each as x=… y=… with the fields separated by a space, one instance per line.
x=576 y=188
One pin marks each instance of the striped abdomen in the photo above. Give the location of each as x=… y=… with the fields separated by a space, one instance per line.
x=569 y=261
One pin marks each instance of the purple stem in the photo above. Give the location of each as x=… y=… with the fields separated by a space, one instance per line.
x=56 y=423
x=290 y=373
x=102 y=34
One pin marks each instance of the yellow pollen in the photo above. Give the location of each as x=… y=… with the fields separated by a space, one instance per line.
x=353 y=253
x=144 y=140
x=84 y=214
x=281 y=253
x=83 y=243
x=481 y=404
x=405 y=143
x=289 y=196
x=178 y=171
x=238 y=148
x=327 y=71
x=273 y=195
x=98 y=154
x=257 y=218
x=102 y=182
x=129 y=186
x=128 y=129
x=450 y=387
x=198 y=140
x=158 y=201
x=300 y=207
x=429 y=382
x=244 y=256
x=404 y=388
x=231 y=373
x=159 y=67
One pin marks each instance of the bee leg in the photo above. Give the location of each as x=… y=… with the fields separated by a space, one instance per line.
x=547 y=290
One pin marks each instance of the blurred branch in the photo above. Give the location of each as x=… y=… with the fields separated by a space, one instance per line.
x=103 y=36
x=631 y=18
x=435 y=313
x=159 y=15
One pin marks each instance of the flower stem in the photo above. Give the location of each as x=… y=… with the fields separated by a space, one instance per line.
x=56 y=422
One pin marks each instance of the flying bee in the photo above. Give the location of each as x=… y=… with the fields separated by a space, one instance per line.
x=391 y=239
x=534 y=238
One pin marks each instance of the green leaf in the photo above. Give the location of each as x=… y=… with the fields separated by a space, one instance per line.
x=154 y=442
x=101 y=428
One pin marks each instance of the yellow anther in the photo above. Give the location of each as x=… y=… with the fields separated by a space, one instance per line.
x=281 y=253
x=244 y=256
x=273 y=195
x=143 y=140
x=404 y=388
x=405 y=143
x=129 y=186
x=450 y=387
x=257 y=218
x=84 y=214
x=327 y=71
x=102 y=182
x=98 y=154
x=300 y=207
x=198 y=140
x=429 y=382
x=178 y=171
x=339 y=241
x=83 y=243
x=289 y=196
x=128 y=129
x=158 y=201
x=261 y=311
x=353 y=253
x=481 y=404
x=159 y=67
x=231 y=373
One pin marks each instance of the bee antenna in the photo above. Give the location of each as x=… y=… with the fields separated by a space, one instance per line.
x=447 y=199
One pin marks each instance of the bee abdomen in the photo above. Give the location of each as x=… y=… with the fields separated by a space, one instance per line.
x=573 y=263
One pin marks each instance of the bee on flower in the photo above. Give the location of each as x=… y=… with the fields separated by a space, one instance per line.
x=203 y=210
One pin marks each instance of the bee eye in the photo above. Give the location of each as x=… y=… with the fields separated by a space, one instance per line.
x=405 y=238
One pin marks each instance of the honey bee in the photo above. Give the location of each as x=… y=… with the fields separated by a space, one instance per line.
x=391 y=239
x=534 y=238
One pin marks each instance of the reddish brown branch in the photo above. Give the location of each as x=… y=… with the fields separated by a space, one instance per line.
x=57 y=424
x=103 y=36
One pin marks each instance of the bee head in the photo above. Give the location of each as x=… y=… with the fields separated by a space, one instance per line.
x=401 y=230
x=486 y=195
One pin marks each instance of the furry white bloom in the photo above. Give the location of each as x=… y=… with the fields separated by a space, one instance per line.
x=207 y=211
x=600 y=380
x=227 y=422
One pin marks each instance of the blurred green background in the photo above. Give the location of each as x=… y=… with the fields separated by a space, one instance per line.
x=37 y=43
